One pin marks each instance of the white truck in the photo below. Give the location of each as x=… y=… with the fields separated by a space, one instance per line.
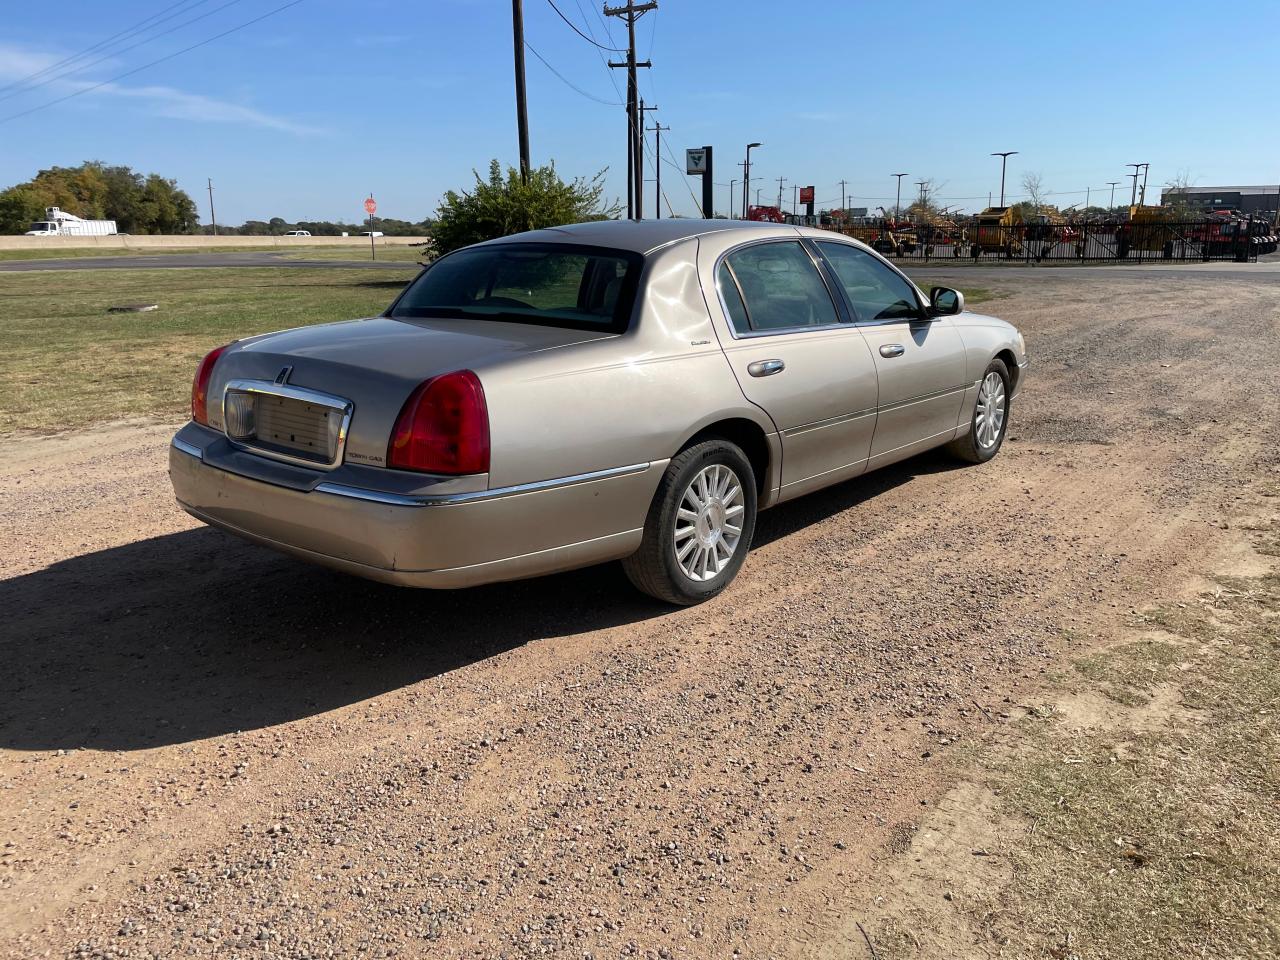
x=58 y=223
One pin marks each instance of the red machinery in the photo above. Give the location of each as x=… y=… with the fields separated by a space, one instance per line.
x=765 y=215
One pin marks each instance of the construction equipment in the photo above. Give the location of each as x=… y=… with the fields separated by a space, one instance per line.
x=766 y=214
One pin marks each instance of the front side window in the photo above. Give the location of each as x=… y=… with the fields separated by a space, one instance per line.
x=551 y=284
x=780 y=286
x=875 y=291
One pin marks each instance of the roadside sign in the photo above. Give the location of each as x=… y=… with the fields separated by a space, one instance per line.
x=806 y=194
x=695 y=161
x=371 y=206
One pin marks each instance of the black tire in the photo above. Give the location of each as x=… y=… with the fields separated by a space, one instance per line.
x=654 y=568
x=968 y=447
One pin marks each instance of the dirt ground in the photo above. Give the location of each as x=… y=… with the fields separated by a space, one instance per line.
x=206 y=748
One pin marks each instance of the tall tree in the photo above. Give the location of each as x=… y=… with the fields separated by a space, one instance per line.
x=93 y=190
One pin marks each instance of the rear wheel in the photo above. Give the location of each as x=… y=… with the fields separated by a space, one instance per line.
x=699 y=526
x=990 y=418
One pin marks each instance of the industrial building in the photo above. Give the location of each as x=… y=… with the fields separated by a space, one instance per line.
x=1261 y=201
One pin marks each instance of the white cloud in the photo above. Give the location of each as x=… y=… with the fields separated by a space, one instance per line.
x=17 y=63
x=196 y=107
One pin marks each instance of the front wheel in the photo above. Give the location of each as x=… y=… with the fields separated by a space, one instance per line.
x=990 y=418
x=699 y=526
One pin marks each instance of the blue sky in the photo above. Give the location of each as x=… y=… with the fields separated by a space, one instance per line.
x=308 y=111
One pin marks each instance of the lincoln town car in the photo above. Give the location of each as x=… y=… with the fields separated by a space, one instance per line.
x=590 y=393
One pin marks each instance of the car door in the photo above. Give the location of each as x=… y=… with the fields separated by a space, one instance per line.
x=796 y=355
x=919 y=359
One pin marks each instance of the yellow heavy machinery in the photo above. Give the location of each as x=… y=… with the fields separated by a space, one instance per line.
x=1146 y=228
x=995 y=229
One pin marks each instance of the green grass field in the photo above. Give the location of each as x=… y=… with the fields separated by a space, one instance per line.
x=67 y=362
x=352 y=251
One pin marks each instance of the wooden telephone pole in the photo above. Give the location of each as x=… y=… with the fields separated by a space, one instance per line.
x=635 y=120
x=657 y=129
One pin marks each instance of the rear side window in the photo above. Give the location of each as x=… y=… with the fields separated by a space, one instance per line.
x=780 y=286
x=549 y=284
x=732 y=299
x=875 y=291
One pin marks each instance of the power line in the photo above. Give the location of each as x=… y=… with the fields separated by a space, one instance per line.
x=131 y=30
x=569 y=83
x=574 y=27
x=122 y=50
x=599 y=46
x=145 y=66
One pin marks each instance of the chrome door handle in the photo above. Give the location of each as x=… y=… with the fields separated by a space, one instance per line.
x=892 y=350
x=765 y=368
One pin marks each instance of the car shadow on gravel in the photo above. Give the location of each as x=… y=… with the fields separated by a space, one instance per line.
x=196 y=634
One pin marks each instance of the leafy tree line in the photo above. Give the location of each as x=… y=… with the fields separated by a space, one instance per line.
x=502 y=204
x=321 y=228
x=138 y=203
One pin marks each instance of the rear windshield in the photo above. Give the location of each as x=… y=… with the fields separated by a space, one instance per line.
x=561 y=285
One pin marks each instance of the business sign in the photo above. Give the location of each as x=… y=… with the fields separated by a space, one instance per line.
x=806 y=194
x=857 y=211
x=695 y=161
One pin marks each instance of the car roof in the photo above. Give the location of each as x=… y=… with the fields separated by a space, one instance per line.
x=643 y=236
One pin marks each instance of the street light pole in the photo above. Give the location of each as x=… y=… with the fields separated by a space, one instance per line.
x=897 y=207
x=746 y=180
x=1113 y=184
x=732 y=183
x=1146 y=168
x=1133 y=199
x=1004 y=160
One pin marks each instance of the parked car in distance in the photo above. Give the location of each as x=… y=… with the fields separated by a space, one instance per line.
x=297 y=233
x=372 y=233
x=604 y=391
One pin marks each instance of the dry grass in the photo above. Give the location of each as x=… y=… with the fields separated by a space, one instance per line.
x=1163 y=843
x=67 y=362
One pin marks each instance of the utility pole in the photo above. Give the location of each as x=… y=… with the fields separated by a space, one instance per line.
x=781 y=181
x=1112 y=184
x=897 y=207
x=843 y=205
x=657 y=129
x=635 y=120
x=732 y=183
x=1004 y=160
x=640 y=156
x=758 y=189
x=794 y=190
x=213 y=217
x=522 y=107
x=746 y=181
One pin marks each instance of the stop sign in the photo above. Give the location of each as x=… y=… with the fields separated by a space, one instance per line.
x=371 y=206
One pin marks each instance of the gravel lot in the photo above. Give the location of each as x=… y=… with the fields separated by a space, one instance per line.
x=209 y=749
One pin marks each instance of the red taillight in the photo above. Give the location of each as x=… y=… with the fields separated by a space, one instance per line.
x=443 y=427
x=200 y=386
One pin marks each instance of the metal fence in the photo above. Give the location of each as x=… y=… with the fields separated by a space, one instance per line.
x=1199 y=241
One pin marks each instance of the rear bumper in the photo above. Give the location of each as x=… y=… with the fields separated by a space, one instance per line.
x=447 y=541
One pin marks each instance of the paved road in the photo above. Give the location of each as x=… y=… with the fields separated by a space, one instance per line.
x=242 y=259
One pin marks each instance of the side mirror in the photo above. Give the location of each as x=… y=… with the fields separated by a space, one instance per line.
x=946 y=302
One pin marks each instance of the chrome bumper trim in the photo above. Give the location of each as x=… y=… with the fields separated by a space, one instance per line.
x=190 y=449
x=495 y=493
